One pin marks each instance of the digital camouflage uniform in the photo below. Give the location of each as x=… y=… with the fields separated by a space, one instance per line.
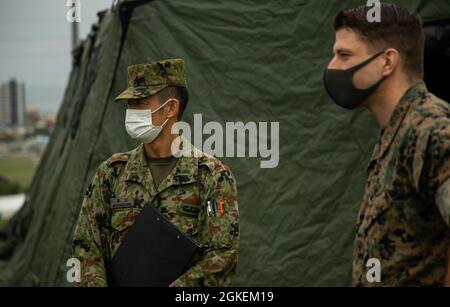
x=399 y=222
x=145 y=80
x=123 y=184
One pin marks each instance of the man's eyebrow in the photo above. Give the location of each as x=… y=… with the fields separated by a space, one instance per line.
x=342 y=50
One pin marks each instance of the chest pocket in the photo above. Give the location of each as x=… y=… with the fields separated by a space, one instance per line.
x=122 y=219
x=123 y=213
x=185 y=217
x=181 y=205
x=189 y=210
x=374 y=212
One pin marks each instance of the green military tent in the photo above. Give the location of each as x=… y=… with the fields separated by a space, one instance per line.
x=248 y=61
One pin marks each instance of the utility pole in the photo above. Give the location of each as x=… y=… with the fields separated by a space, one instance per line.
x=74 y=30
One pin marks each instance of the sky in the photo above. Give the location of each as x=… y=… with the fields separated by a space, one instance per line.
x=35 y=46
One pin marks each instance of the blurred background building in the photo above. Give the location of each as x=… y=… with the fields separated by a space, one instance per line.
x=12 y=103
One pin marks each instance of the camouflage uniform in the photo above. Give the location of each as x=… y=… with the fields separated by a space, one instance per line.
x=399 y=222
x=123 y=184
x=145 y=80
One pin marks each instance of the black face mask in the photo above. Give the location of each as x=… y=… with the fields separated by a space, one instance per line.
x=339 y=85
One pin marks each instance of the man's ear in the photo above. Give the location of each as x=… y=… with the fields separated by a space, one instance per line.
x=391 y=59
x=173 y=107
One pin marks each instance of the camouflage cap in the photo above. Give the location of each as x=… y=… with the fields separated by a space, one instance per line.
x=147 y=79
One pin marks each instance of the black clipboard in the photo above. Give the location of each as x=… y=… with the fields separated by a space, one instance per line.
x=154 y=253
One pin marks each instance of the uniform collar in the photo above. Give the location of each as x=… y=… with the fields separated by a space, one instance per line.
x=184 y=172
x=410 y=99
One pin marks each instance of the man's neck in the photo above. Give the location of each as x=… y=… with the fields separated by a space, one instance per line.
x=382 y=104
x=160 y=147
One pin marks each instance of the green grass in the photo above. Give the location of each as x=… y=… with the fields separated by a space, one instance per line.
x=18 y=169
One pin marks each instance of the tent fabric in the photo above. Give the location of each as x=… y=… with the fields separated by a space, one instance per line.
x=249 y=61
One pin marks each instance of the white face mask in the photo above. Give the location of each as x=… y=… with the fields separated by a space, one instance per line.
x=139 y=126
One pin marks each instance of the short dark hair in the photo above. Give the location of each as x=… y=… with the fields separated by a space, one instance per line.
x=398 y=28
x=178 y=92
